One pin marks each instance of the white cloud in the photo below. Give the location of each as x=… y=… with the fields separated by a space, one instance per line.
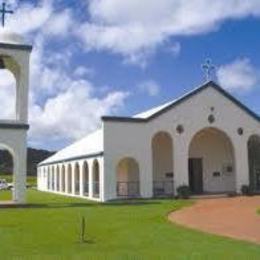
x=72 y=114
x=70 y=109
x=81 y=71
x=149 y=87
x=135 y=28
x=64 y=105
x=239 y=75
x=29 y=18
x=60 y=24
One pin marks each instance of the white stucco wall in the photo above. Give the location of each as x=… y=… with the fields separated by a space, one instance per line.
x=123 y=139
x=133 y=139
x=13 y=133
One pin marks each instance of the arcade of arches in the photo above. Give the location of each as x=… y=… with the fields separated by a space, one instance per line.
x=211 y=168
x=73 y=179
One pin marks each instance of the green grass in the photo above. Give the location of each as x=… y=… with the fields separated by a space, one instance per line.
x=7 y=195
x=49 y=229
x=30 y=180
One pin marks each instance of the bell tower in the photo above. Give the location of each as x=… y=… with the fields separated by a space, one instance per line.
x=15 y=57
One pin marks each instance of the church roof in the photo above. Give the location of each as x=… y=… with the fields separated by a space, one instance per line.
x=90 y=146
x=93 y=145
x=154 y=112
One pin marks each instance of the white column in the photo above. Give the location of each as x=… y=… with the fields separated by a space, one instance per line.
x=146 y=176
x=101 y=180
x=55 y=177
x=73 y=179
x=59 y=176
x=39 y=178
x=66 y=179
x=180 y=159
x=241 y=163
x=19 y=192
x=81 y=179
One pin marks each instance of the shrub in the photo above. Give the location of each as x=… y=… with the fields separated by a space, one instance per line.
x=183 y=192
x=245 y=190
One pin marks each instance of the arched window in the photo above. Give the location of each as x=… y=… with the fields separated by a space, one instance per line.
x=96 y=178
x=128 y=178
x=63 y=179
x=49 y=178
x=58 y=178
x=69 y=179
x=76 y=178
x=53 y=178
x=85 y=179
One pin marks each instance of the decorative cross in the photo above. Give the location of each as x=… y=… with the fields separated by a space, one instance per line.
x=208 y=68
x=4 y=11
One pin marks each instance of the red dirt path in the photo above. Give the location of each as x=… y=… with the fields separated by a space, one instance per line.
x=232 y=217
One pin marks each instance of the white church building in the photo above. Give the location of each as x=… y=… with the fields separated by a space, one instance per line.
x=206 y=139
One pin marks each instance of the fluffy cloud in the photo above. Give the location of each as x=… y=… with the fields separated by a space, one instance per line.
x=70 y=115
x=149 y=87
x=64 y=104
x=29 y=18
x=135 y=28
x=239 y=75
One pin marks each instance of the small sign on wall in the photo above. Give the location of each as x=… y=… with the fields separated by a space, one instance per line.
x=216 y=174
x=227 y=169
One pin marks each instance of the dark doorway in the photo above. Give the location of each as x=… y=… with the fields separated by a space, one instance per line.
x=254 y=162
x=196 y=175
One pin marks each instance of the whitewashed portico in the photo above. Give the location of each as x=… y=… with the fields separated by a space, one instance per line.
x=206 y=139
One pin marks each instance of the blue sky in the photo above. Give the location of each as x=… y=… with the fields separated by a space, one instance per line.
x=122 y=57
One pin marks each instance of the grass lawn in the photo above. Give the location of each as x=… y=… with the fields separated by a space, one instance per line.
x=7 y=195
x=49 y=229
x=30 y=180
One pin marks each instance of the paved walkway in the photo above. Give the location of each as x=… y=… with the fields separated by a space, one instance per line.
x=232 y=217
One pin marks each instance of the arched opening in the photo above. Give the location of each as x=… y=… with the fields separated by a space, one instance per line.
x=7 y=95
x=69 y=176
x=52 y=178
x=58 y=178
x=76 y=178
x=63 y=179
x=254 y=162
x=85 y=179
x=211 y=163
x=128 y=179
x=96 y=178
x=162 y=154
x=49 y=178
x=6 y=174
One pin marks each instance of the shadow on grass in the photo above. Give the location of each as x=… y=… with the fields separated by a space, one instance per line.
x=78 y=204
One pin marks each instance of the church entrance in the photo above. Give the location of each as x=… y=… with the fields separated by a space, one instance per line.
x=211 y=164
x=254 y=163
x=196 y=175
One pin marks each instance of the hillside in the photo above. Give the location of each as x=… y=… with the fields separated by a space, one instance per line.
x=34 y=156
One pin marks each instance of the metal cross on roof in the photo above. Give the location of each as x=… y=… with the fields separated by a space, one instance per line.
x=208 y=68
x=4 y=11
